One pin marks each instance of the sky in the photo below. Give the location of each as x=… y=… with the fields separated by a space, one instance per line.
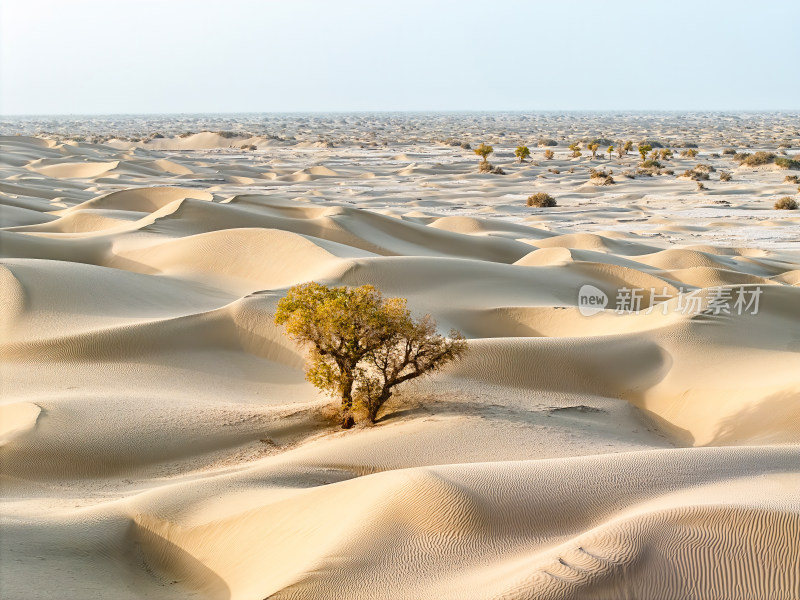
x=228 y=56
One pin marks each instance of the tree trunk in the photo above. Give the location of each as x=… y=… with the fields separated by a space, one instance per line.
x=379 y=402
x=347 y=403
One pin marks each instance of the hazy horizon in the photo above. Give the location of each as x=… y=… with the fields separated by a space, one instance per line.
x=153 y=58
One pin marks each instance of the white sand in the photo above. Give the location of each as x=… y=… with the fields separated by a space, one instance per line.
x=158 y=439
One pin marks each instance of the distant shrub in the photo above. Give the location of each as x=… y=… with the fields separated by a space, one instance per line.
x=484 y=150
x=571 y=170
x=543 y=142
x=786 y=203
x=600 y=177
x=665 y=154
x=186 y=134
x=522 y=152
x=249 y=147
x=549 y=154
x=541 y=200
x=724 y=176
x=576 y=152
x=700 y=186
x=652 y=144
x=630 y=174
x=791 y=179
x=688 y=145
x=651 y=164
x=690 y=153
x=695 y=175
x=554 y=171
x=705 y=168
x=755 y=160
x=788 y=163
x=487 y=167
x=593 y=149
x=228 y=134
x=466 y=146
x=730 y=151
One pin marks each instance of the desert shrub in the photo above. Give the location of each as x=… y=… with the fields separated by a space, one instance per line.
x=249 y=147
x=541 y=200
x=484 y=150
x=700 y=186
x=643 y=150
x=630 y=174
x=498 y=171
x=543 y=142
x=652 y=144
x=666 y=172
x=729 y=151
x=695 y=175
x=689 y=153
x=651 y=164
x=522 y=152
x=600 y=177
x=361 y=345
x=791 y=179
x=714 y=155
x=487 y=167
x=466 y=146
x=665 y=154
x=788 y=163
x=755 y=160
x=724 y=176
x=688 y=145
x=549 y=154
x=593 y=149
x=571 y=170
x=704 y=168
x=576 y=152
x=786 y=203
x=228 y=134
x=646 y=172
x=186 y=134
x=554 y=171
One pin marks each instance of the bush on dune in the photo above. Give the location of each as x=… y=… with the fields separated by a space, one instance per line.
x=541 y=200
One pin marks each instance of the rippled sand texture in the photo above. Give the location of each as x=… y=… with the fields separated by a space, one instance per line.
x=158 y=439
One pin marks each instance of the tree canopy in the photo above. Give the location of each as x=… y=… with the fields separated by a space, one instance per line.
x=361 y=345
x=484 y=150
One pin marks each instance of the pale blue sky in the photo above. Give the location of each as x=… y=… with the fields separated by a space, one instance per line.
x=146 y=56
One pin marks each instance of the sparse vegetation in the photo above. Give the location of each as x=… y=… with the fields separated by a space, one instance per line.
x=361 y=344
x=700 y=186
x=600 y=177
x=695 y=175
x=549 y=154
x=522 y=152
x=786 y=203
x=785 y=162
x=576 y=149
x=791 y=179
x=689 y=153
x=543 y=142
x=466 y=146
x=651 y=164
x=724 y=176
x=593 y=149
x=643 y=150
x=541 y=200
x=755 y=160
x=554 y=171
x=249 y=147
x=729 y=151
x=484 y=150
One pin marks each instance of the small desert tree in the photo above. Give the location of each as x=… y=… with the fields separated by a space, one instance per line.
x=576 y=152
x=484 y=151
x=522 y=152
x=347 y=332
x=610 y=151
x=628 y=146
x=593 y=148
x=549 y=154
x=643 y=150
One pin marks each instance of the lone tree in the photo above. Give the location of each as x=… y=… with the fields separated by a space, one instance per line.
x=576 y=152
x=593 y=148
x=628 y=146
x=484 y=151
x=643 y=150
x=522 y=152
x=361 y=344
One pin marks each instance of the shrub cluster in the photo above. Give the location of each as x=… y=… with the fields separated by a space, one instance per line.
x=724 y=176
x=754 y=160
x=541 y=200
x=601 y=177
x=786 y=203
x=784 y=162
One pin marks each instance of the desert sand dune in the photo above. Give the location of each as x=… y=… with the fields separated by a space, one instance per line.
x=158 y=439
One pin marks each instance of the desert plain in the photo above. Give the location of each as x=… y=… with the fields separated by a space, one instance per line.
x=158 y=438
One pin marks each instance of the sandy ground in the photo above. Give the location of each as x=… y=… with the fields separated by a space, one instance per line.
x=158 y=439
